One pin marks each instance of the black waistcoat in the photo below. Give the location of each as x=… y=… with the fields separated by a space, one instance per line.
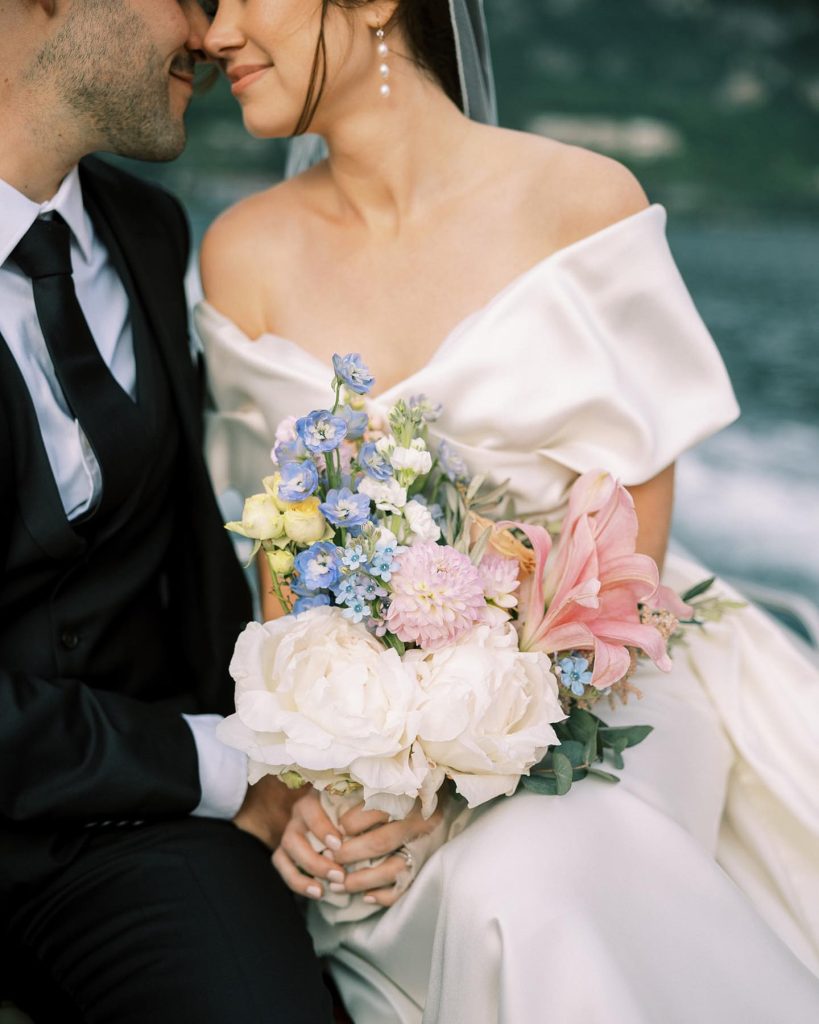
x=89 y=600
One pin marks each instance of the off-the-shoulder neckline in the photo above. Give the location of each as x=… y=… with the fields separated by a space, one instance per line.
x=551 y=259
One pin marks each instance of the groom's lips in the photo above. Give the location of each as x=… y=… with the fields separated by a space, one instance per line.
x=244 y=75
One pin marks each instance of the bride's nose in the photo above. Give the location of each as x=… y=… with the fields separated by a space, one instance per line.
x=224 y=35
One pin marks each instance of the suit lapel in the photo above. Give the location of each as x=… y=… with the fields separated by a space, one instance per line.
x=144 y=244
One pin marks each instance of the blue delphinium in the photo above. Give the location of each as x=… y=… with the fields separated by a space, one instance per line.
x=429 y=411
x=304 y=604
x=357 y=422
x=373 y=462
x=290 y=451
x=353 y=373
x=298 y=480
x=318 y=566
x=451 y=463
x=574 y=674
x=343 y=508
x=321 y=431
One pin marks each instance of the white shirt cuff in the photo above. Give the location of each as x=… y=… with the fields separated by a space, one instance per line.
x=222 y=770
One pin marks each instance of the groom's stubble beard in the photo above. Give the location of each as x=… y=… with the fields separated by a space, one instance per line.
x=110 y=74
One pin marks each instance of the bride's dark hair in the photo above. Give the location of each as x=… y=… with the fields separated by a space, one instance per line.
x=427 y=28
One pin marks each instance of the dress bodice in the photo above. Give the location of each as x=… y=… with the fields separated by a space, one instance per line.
x=595 y=357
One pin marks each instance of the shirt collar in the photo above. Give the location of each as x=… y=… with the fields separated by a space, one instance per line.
x=18 y=213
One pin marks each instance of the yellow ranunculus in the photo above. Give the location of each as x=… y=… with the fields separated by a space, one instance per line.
x=304 y=523
x=261 y=519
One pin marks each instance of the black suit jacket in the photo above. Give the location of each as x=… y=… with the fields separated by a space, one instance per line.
x=71 y=752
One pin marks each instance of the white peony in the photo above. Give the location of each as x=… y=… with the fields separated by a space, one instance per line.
x=388 y=495
x=487 y=711
x=319 y=696
x=421 y=523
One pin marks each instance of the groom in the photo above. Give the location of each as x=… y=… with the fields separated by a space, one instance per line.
x=135 y=882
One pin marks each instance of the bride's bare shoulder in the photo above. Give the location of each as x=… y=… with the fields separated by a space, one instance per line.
x=566 y=192
x=243 y=252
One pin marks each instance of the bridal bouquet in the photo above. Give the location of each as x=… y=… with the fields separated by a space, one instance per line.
x=421 y=640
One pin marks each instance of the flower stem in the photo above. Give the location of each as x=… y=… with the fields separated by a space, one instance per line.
x=277 y=590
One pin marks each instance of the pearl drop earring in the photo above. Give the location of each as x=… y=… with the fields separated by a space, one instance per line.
x=383 y=68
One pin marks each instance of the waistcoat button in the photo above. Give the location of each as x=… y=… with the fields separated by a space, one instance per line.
x=69 y=639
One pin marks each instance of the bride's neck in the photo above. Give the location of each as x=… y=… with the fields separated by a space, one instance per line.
x=390 y=160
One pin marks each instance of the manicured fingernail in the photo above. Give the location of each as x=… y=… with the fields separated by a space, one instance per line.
x=336 y=887
x=370 y=899
x=328 y=854
x=336 y=875
x=333 y=842
x=314 y=892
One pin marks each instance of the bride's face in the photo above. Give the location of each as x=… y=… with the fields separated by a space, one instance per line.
x=267 y=49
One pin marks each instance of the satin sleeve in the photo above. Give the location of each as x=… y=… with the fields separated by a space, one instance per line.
x=656 y=384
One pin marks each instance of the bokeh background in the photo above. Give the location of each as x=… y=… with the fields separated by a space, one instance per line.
x=714 y=104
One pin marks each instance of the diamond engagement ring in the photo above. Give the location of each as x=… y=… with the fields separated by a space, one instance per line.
x=407 y=855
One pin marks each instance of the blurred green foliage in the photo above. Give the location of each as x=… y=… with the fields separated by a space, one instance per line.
x=734 y=82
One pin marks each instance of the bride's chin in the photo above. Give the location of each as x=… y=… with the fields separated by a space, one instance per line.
x=261 y=125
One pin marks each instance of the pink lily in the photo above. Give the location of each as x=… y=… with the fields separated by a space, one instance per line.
x=586 y=595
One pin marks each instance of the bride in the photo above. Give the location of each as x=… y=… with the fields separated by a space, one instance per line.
x=529 y=287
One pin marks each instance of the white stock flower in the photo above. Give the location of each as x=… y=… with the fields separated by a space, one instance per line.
x=421 y=523
x=487 y=711
x=411 y=462
x=388 y=495
x=318 y=695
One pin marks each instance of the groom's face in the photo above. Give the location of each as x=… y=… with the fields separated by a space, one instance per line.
x=125 y=70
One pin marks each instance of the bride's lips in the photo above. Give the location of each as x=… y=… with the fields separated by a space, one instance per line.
x=244 y=75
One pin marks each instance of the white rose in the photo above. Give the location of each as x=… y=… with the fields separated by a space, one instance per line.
x=421 y=523
x=411 y=462
x=388 y=495
x=320 y=696
x=487 y=711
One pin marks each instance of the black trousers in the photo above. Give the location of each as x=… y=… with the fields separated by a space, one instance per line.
x=175 y=922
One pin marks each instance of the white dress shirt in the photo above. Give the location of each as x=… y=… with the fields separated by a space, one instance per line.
x=104 y=302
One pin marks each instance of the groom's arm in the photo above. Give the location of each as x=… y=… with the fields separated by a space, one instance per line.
x=69 y=751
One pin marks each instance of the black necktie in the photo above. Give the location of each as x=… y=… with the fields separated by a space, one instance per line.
x=105 y=412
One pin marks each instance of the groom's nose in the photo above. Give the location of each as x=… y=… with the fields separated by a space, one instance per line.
x=198 y=25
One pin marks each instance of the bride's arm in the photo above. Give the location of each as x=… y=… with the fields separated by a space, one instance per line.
x=654 y=501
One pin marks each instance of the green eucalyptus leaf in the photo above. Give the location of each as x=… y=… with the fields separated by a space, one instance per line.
x=598 y=773
x=628 y=736
x=563 y=772
x=575 y=751
x=698 y=589
x=539 y=784
x=583 y=725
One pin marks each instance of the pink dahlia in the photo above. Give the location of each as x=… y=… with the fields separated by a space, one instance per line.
x=437 y=596
x=499 y=577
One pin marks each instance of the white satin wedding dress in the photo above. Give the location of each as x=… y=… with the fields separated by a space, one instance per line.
x=690 y=892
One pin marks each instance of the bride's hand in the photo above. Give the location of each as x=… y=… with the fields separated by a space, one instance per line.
x=302 y=869
x=363 y=835
x=370 y=834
